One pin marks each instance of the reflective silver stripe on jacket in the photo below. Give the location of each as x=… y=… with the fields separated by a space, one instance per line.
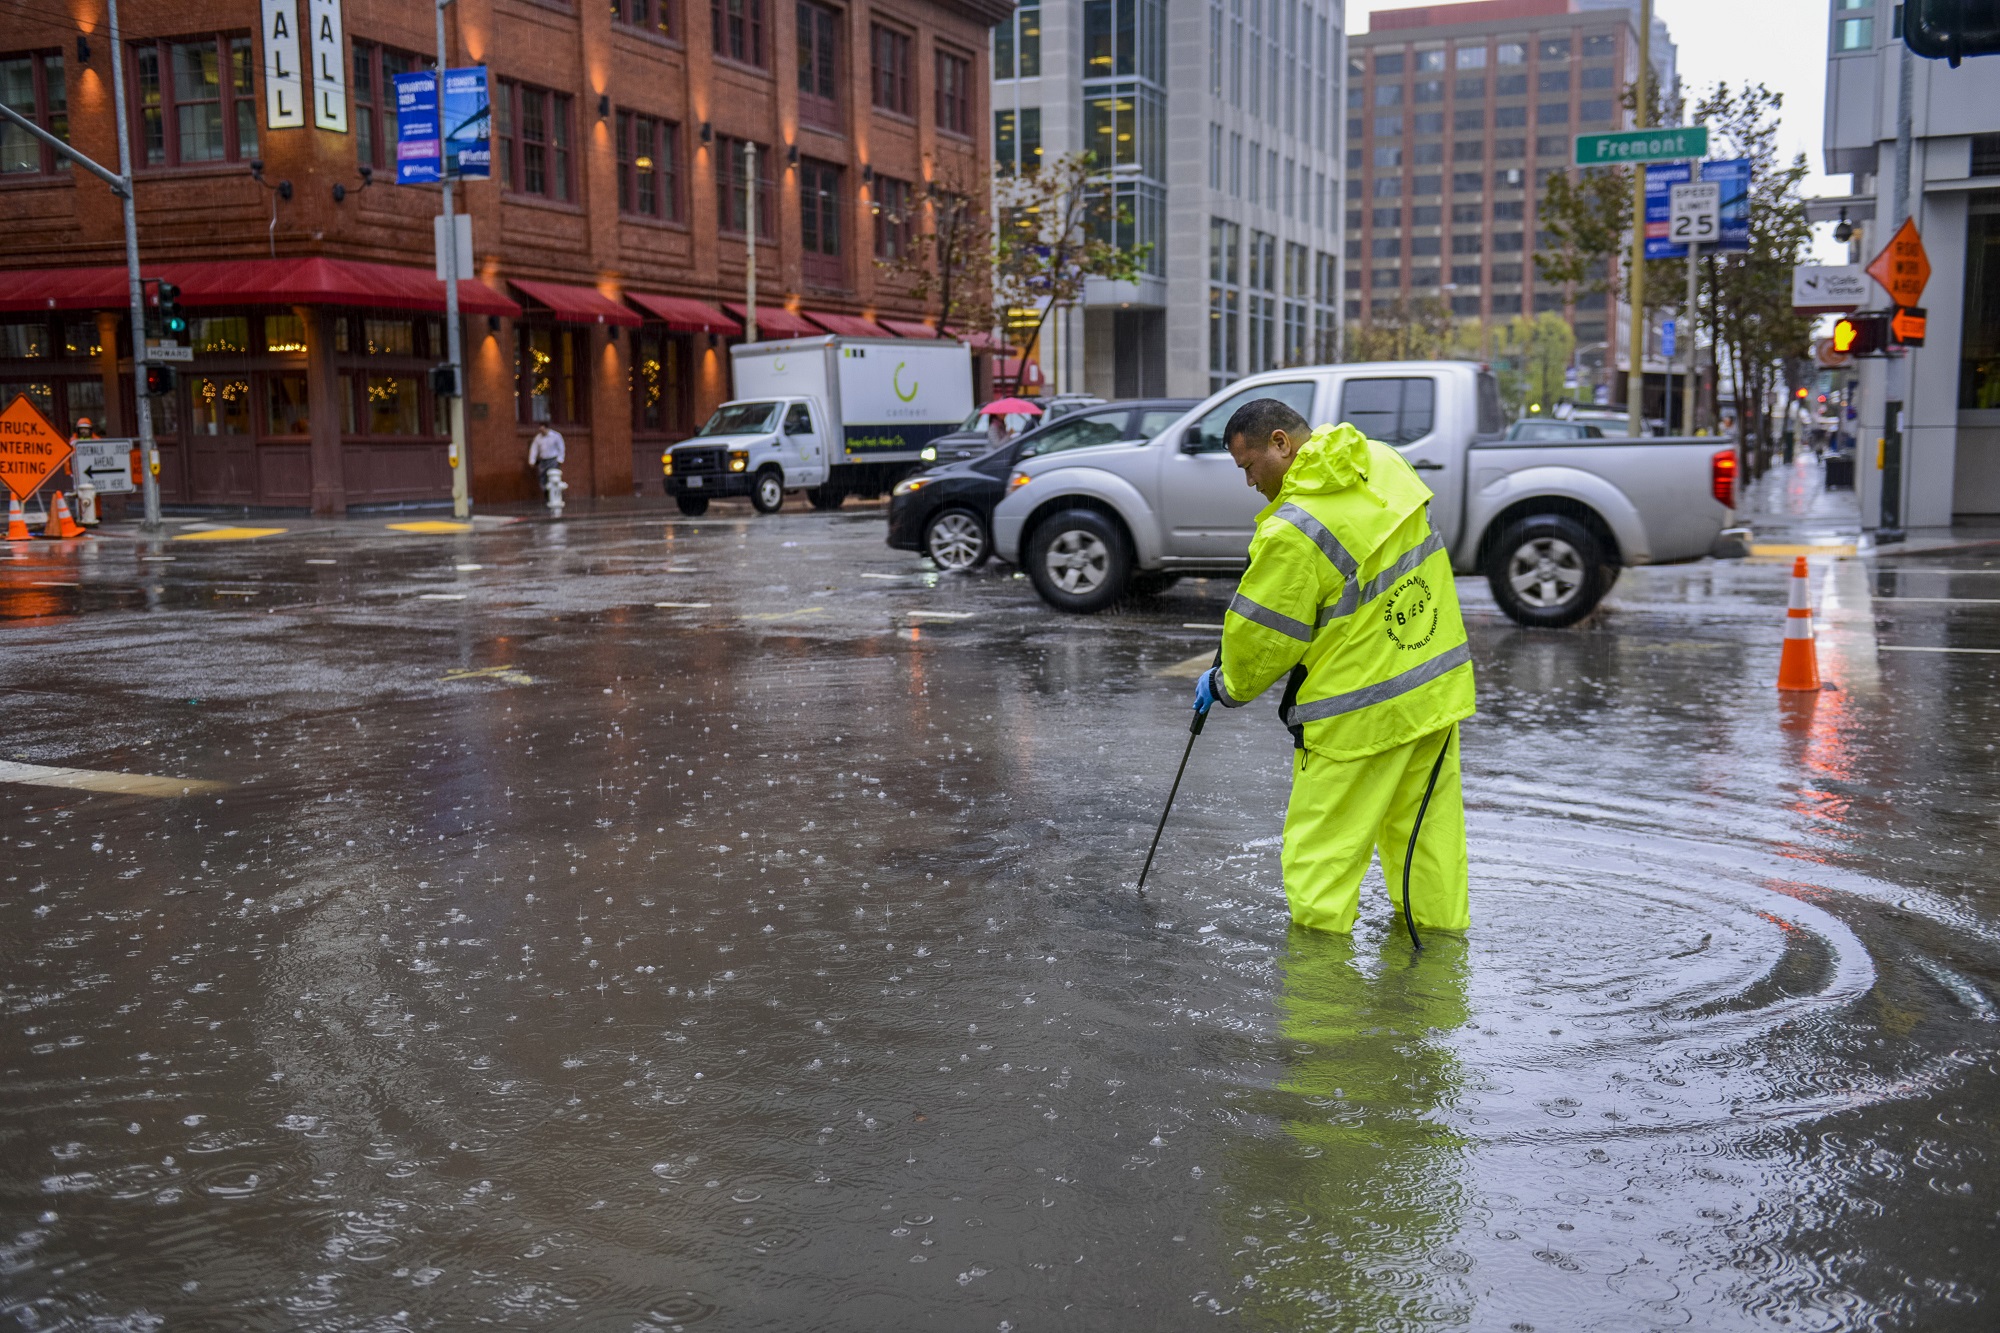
x=1316 y=532
x=1222 y=694
x=1258 y=614
x=1401 y=683
x=1351 y=598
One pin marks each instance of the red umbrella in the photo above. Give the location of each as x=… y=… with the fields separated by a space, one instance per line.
x=1007 y=407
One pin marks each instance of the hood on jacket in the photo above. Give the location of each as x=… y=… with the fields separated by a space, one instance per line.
x=1332 y=459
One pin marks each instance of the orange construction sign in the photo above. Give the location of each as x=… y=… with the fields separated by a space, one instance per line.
x=1903 y=268
x=31 y=448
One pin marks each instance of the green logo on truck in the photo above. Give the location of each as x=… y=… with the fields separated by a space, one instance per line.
x=896 y=383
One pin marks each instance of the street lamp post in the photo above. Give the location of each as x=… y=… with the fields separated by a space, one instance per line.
x=749 y=242
x=461 y=491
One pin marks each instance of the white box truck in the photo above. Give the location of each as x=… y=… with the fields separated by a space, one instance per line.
x=834 y=416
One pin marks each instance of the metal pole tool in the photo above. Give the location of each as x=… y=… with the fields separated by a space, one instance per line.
x=1194 y=730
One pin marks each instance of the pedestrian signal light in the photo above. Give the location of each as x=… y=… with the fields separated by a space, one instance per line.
x=159 y=381
x=173 y=322
x=1860 y=335
x=444 y=380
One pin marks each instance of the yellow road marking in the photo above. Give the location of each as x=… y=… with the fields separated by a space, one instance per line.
x=430 y=525
x=783 y=615
x=1795 y=548
x=85 y=779
x=227 y=534
x=1190 y=668
x=505 y=674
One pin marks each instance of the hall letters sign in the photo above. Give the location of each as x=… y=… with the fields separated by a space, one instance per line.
x=329 y=61
x=284 y=83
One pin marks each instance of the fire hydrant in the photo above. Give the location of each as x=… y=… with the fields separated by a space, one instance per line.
x=86 y=502
x=553 y=481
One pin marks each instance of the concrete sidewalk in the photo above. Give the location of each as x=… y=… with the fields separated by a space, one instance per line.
x=1792 y=513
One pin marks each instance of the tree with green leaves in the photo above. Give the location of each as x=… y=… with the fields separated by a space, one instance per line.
x=951 y=261
x=1530 y=358
x=1744 y=298
x=1420 y=328
x=1750 y=292
x=1058 y=229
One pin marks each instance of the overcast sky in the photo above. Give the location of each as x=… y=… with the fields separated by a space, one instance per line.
x=1780 y=43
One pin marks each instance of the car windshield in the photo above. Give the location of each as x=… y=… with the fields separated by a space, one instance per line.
x=741 y=419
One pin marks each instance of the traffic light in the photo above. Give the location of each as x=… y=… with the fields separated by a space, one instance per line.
x=1860 y=335
x=1951 y=29
x=173 y=323
x=159 y=381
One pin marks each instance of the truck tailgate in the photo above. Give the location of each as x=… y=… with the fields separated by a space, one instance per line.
x=1668 y=481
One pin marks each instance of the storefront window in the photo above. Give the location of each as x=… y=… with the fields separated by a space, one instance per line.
x=546 y=365
x=389 y=337
x=221 y=405
x=284 y=333
x=220 y=333
x=24 y=342
x=392 y=405
x=658 y=384
x=40 y=392
x=285 y=400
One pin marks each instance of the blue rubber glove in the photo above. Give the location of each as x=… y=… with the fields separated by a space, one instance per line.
x=1204 y=690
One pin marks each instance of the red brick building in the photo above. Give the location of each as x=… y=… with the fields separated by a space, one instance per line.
x=608 y=246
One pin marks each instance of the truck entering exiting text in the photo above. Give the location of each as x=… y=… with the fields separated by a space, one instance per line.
x=836 y=416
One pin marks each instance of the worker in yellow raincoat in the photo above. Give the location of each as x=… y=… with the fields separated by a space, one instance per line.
x=1349 y=598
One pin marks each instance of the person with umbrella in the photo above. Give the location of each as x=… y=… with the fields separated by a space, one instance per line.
x=998 y=432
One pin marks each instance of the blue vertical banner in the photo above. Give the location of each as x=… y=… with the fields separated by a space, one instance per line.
x=454 y=139
x=1733 y=175
x=468 y=124
x=418 y=159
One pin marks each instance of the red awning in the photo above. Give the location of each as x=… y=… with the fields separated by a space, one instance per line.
x=908 y=328
x=684 y=314
x=312 y=280
x=577 y=305
x=776 y=322
x=847 y=326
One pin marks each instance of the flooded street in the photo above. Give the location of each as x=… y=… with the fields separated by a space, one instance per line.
x=648 y=923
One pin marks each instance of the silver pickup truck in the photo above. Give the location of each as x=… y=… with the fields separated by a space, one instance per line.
x=1549 y=524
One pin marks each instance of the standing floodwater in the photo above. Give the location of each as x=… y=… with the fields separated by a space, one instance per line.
x=649 y=924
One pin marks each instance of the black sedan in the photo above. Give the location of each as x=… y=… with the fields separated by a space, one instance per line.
x=946 y=511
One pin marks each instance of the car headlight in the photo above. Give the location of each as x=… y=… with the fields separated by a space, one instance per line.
x=929 y=455
x=739 y=460
x=666 y=465
x=1017 y=481
x=908 y=484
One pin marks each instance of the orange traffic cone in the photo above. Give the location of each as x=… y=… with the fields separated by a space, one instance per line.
x=17 y=522
x=61 y=525
x=1798 y=667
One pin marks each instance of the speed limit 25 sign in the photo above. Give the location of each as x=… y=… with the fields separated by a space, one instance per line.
x=1694 y=213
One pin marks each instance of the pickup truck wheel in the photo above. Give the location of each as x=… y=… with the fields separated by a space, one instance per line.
x=956 y=541
x=824 y=497
x=1079 y=561
x=1548 y=571
x=694 y=506
x=767 y=492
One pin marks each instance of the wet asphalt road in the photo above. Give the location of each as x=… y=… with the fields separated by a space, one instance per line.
x=647 y=923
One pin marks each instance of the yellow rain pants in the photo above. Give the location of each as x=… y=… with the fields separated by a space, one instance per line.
x=1343 y=810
